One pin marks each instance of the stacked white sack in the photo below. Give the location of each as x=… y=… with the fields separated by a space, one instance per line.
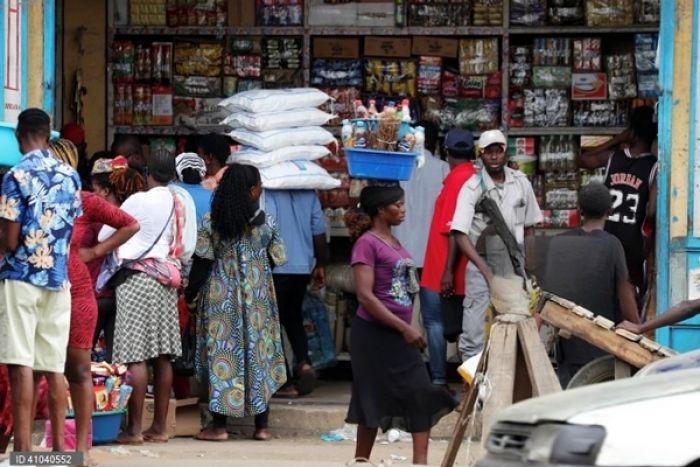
x=280 y=133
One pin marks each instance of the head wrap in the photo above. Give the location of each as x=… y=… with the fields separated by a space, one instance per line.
x=74 y=133
x=375 y=197
x=105 y=166
x=65 y=151
x=190 y=160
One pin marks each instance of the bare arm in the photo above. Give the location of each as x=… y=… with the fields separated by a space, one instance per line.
x=599 y=156
x=364 y=285
x=628 y=302
x=684 y=310
x=321 y=255
x=9 y=236
x=467 y=247
x=447 y=281
x=120 y=237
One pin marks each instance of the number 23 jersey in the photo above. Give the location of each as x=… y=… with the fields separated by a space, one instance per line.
x=629 y=179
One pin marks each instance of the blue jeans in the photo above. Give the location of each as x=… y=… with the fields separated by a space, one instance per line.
x=437 y=345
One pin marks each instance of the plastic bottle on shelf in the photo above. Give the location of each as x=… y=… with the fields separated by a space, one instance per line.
x=405 y=111
x=346 y=134
x=360 y=136
x=373 y=109
x=360 y=109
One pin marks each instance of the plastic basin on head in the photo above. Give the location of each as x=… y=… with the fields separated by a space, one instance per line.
x=9 y=147
x=105 y=426
x=380 y=165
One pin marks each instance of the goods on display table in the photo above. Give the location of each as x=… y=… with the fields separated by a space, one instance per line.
x=112 y=392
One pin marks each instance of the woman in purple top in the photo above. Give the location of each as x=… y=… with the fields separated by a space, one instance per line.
x=391 y=387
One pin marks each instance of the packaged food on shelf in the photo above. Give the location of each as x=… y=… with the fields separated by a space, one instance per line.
x=645 y=46
x=561 y=218
x=551 y=77
x=450 y=84
x=558 y=153
x=439 y=14
x=520 y=68
x=275 y=100
x=243 y=66
x=621 y=76
x=282 y=53
x=143 y=104
x=162 y=105
x=477 y=114
x=391 y=77
x=565 y=12
x=279 y=13
x=561 y=198
x=197 y=13
x=429 y=71
x=478 y=56
x=546 y=107
x=591 y=141
x=249 y=84
x=198 y=59
x=590 y=176
x=197 y=86
x=163 y=145
x=601 y=113
x=341 y=103
x=282 y=79
x=551 y=51
x=123 y=58
x=123 y=104
x=332 y=73
x=589 y=86
x=648 y=85
x=260 y=159
x=147 y=12
x=587 y=54
x=522 y=146
x=528 y=12
x=516 y=109
x=162 y=61
x=266 y=121
x=609 y=12
x=648 y=11
x=111 y=389
x=230 y=85
x=143 y=67
x=379 y=14
x=472 y=87
x=487 y=13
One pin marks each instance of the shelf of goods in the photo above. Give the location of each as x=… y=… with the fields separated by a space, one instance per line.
x=539 y=70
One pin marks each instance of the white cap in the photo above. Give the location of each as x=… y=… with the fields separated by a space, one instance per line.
x=491 y=137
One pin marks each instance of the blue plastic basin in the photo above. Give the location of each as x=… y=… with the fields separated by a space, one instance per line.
x=105 y=426
x=380 y=165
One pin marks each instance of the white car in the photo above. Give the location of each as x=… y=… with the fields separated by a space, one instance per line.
x=652 y=420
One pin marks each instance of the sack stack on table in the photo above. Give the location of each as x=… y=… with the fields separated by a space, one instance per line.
x=280 y=133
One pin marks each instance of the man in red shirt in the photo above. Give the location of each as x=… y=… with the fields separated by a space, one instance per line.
x=442 y=281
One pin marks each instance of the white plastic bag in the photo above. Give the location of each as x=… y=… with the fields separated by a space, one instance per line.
x=260 y=159
x=274 y=100
x=277 y=120
x=275 y=139
x=297 y=175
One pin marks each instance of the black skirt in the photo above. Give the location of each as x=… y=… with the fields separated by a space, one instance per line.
x=391 y=387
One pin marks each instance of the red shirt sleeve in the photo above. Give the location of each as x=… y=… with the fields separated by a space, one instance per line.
x=97 y=210
x=450 y=192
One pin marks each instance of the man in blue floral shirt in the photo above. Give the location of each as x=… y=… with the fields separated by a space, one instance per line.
x=39 y=204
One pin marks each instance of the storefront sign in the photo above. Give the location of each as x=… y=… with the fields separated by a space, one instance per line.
x=13 y=35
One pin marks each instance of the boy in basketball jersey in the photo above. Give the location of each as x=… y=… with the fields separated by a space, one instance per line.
x=631 y=177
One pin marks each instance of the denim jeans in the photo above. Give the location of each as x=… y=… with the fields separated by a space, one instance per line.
x=437 y=345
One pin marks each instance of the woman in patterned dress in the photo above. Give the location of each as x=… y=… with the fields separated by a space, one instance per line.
x=240 y=346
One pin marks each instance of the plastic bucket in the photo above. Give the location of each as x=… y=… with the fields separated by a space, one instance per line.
x=380 y=165
x=105 y=426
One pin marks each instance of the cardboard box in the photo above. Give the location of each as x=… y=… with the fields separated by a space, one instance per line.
x=435 y=46
x=183 y=416
x=336 y=47
x=589 y=86
x=241 y=13
x=394 y=47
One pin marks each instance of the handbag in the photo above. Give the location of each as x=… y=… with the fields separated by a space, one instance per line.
x=112 y=264
x=184 y=364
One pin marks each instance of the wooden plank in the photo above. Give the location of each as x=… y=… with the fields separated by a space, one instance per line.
x=622 y=369
x=542 y=376
x=630 y=352
x=503 y=345
x=463 y=421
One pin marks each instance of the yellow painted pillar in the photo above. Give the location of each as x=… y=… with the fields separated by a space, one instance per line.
x=35 y=53
x=680 y=119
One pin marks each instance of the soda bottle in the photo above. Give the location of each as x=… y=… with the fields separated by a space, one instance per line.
x=346 y=134
x=360 y=136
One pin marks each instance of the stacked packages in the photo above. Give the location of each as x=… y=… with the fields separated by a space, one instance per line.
x=280 y=133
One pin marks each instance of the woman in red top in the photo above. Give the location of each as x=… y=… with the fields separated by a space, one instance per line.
x=85 y=249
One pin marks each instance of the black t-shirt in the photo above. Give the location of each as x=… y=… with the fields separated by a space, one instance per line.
x=585 y=267
x=629 y=178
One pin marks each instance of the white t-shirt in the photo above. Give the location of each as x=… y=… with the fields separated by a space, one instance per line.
x=515 y=198
x=152 y=209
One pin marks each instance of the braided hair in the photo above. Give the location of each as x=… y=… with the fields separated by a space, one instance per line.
x=65 y=151
x=122 y=181
x=232 y=207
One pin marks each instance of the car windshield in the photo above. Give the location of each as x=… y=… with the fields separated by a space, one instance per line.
x=686 y=361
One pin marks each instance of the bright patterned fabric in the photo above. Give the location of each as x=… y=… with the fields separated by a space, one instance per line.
x=239 y=345
x=43 y=195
